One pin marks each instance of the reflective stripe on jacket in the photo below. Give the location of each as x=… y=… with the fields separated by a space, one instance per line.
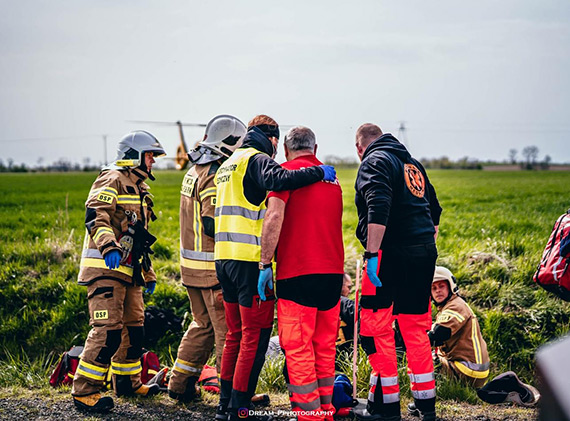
x=238 y=222
x=197 y=201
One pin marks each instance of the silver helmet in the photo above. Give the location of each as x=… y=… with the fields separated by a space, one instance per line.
x=224 y=134
x=133 y=146
x=444 y=274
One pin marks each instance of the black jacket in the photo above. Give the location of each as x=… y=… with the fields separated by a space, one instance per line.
x=264 y=174
x=393 y=189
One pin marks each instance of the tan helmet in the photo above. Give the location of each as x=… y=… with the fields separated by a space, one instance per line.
x=444 y=274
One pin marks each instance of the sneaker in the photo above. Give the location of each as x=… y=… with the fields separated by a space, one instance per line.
x=221 y=413
x=364 y=415
x=147 y=390
x=413 y=411
x=94 y=403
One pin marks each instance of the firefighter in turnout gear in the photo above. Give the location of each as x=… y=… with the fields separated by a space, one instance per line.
x=115 y=266
x=398 y=216
x=223 y=135
x=242 y=183
x=456 y=334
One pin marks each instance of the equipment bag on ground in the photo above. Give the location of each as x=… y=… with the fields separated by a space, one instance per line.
x=65 y=370
x=553 y=273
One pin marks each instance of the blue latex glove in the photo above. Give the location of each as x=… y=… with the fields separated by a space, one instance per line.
x=150 y=287
x=265 y=280
x=330 y=173
x=113 y=259
x=372 y=270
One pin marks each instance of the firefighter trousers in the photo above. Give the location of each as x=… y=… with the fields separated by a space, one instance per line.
x=406 y=273
x=208 y=327
x=116 y=317
x=249 y=322
x=307 y=336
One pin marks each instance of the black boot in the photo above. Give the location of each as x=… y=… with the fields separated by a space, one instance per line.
x=221 y=413
x=94 y=403
x=190 y=394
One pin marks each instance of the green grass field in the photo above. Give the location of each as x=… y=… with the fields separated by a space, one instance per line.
x=492 y=232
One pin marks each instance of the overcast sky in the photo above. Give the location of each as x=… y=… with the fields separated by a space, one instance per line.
x=471 y=79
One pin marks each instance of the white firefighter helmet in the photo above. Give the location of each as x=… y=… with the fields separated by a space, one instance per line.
x=132 y=147
x=444 y=274
x=224 y=134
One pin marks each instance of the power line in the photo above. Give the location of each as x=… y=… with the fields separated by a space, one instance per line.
x=41 y=139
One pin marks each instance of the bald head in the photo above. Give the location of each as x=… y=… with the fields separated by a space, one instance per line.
x=365 y=135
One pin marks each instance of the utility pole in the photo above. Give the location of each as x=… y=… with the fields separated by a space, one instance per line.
x=105 y=149
x=402 y=134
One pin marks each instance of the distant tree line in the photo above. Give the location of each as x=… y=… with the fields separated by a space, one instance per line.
x=61 y=165
x=444 y=163
x=530 y=159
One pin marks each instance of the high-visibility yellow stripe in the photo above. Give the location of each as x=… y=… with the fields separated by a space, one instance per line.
x=197 y=227
x=126 y=369
x=100 y=263
x=111 y=190
x=186 y=367
x=207 y=192
x=91 y=371
x=471 y=373
x=197 y=264
x=101 y=370
x=453 y=314
x=89 y=375
x=126 y=365
x=476 y=343
x=131 y=372
x=100 y=231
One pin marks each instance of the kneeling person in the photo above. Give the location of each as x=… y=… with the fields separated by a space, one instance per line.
x=462 y=350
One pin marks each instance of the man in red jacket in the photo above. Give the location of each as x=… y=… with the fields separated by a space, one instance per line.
x=307 y=224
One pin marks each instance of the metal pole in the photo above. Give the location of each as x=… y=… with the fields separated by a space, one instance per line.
x=105 y=149
x=355 y=335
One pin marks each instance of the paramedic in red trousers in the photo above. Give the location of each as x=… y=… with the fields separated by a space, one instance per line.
x=224 y=134
x=242 y=184
x=114 y=267
x=307 y=224
x=398 y=218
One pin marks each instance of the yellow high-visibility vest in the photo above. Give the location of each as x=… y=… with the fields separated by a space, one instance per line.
x=238 y=223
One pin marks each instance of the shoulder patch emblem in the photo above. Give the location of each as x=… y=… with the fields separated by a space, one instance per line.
x=103 y=197
x=414 y=180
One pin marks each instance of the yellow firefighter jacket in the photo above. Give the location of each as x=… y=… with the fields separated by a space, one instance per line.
x=198 y=201
x=116 y=199
x=466 y=349
x=238 y=222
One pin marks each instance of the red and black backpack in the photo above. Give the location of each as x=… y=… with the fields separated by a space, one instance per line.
x=65 y=370
x=553 y=272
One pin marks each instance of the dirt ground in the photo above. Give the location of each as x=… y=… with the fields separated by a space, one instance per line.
x=48 y=404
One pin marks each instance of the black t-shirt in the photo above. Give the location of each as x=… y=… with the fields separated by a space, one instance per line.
x=320 y=291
